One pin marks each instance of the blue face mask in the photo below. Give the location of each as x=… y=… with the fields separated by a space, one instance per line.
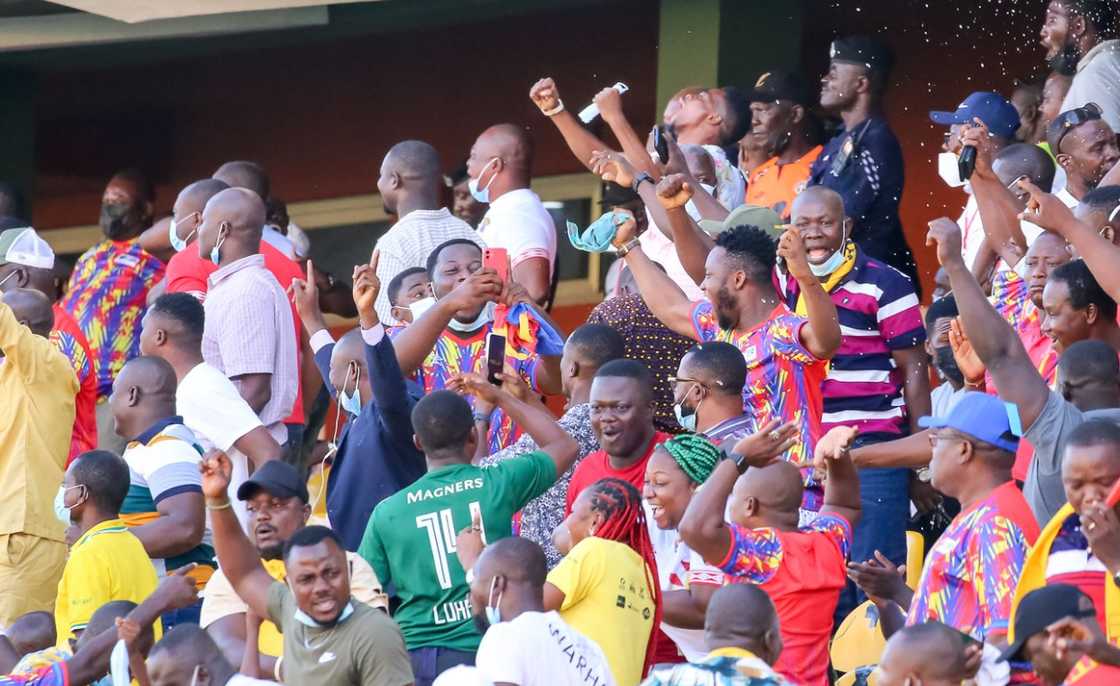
x=687 y=421
x=61 y=510
x=215 y=252
x=351 y=402
x=832 y=263
x=173 y=235
x=482 y=195
x=493 y=614
x=598 y=236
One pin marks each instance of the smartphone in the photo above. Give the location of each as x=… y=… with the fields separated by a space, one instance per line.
x=661 y=144
x=498 y=260
x=966 y=163
x=495 y=357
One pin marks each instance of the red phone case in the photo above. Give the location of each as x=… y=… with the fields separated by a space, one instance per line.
x=498 y=260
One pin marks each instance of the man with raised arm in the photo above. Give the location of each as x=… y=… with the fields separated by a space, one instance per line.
x=410 y=540
x=328 y=638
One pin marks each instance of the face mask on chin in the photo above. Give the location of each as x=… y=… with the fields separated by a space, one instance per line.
x=485 y=315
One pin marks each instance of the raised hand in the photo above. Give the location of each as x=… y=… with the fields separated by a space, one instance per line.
x=216 y=471
x=1101 y=527
x=177 y=589
x=970 y=364
x=768 y=443
x=545 y=95
x=1045 y=209
x=977 y=135
x=469 y=383
x=625 y=231
x=468 y=544
x=673 y=191
x=946 y=235
x=305 y=295
x=792 y=249
x=477 y=289
x=834 y=445
x=610 y=104
x=366 y=288
x=614 y=167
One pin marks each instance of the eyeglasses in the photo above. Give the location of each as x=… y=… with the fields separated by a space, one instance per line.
x=1018 y=192
x=1074 y=118
x=676 y=380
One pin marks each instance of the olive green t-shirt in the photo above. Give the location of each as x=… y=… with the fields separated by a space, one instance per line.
x=365 y=649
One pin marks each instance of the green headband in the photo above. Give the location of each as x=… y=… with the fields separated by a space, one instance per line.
x=694 y=454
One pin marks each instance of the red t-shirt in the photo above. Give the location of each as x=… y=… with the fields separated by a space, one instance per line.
x=1089 y=673
x=597 y=466
x=68 y=336
x=187 y=273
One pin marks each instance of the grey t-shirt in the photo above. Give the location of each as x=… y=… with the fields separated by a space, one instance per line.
x=1043 y=488
x=366 y=649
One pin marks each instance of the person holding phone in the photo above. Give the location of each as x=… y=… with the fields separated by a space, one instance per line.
x=452 y=335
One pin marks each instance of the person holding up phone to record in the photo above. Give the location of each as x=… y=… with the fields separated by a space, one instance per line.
x=480 y=321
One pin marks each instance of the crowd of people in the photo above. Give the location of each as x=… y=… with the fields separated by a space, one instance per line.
x=764 y=430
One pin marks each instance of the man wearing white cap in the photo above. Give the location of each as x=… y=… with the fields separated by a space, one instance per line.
x=27 y=261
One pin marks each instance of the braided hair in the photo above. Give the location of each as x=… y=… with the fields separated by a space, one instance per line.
x=624 y=521
x=694 y=454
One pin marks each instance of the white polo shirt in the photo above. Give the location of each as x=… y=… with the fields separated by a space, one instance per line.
x=518 y=222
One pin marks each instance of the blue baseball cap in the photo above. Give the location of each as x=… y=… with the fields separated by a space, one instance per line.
x=993 y=109
x=982 y=416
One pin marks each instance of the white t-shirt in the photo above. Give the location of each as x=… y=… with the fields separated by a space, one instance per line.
x=539 y=648
x=972 y=233
x=518 y=222
x=1098 y=74
x=212 y=408
x=679 y=568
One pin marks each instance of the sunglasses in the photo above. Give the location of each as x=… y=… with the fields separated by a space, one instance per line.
x=1072 y=119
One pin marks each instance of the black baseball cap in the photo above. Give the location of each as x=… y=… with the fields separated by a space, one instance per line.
x=781 y=85
x=863 y=50
x=277 y=478
x=1042 y=607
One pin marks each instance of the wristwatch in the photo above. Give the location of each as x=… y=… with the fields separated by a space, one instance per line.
x=739 y=460
x=628 y=246
x=481 y=417
x=644 y=176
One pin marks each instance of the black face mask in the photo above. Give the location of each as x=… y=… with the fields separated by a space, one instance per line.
x=947 y=364
x=119 y=220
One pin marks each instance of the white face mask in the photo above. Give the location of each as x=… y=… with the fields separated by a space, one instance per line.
x=948 y=170
x=834 y=261
x=419 y=307
x=487 y=314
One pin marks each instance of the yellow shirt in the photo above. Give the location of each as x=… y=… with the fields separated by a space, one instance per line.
x=37 y=389
x=220 y=600
x=607 y=599
x=106 y=563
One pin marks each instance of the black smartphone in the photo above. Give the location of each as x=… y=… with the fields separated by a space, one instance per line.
x=495 y=358
x=966 y=163
x=661 y=144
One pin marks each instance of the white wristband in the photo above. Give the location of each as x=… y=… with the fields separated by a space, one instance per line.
x=555 y=110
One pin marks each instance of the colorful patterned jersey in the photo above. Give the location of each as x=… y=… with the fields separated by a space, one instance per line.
x=970 y=575
x=70 y=340
x=879 y=314
x=455 y=353
x=51 y=675
x=721 y=667
x=803 y=572
x=108 y=295
x=784 y=379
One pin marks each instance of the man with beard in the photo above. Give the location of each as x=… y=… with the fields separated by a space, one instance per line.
x=1080 y=34
x=410 y=187
x=109 y=287
x=328 y=638
x=1084 y=145
x=277 y=501
x=781 y=121
x=863 y=163
x=786 y=353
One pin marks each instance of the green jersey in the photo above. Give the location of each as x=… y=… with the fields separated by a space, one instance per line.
x=410 y=541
